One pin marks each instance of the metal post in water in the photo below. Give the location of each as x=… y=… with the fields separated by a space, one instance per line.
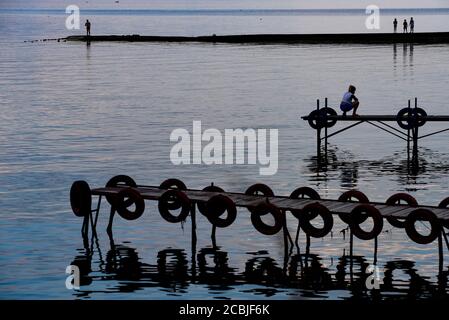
x=325 y=132
x=415 y=135
x=111 y=219
x=375 y=251
x=308 y=245
x=440 y=251
x=318 y=134
x=408 y=134
x=85 y=226
x=214 y=240
x=98 y=212
x=286 y=246
x=193 y=219
x=351 y=243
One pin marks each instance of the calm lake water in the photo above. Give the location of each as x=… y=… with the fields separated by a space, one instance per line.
x=71 y=112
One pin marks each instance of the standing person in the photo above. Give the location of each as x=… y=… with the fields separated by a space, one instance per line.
x=405 y=24
x=412 y=25
x=395 y=25
x=87 y=25
x=349 y=102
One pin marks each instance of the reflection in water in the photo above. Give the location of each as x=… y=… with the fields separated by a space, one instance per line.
x=305 y=275
x=347 y=169
x=407 y=59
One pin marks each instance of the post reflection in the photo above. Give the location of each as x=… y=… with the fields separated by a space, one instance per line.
x=123 y=271
x=342 y=166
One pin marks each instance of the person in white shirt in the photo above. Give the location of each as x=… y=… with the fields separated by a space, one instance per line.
x=349 y=102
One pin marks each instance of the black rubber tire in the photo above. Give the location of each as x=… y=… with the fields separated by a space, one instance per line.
x=317 y=119
x=325 y=112
x=444 y=203
x=415 y=119
x=80 y=198
x=135 y=198
x=422 y=214
x=263 y=209
x=173 y=184
x=202 y=205
x=309 y=212
x=217 y=206
x=346 y=197
x=394 y=200
x=259 y=189
x=166 y=200
x=120 y=180
x=370 y=211
x=303 y=193
x=314 y=120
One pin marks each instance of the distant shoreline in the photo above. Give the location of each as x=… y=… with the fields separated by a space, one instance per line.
x=342 y=38
x=229 y=12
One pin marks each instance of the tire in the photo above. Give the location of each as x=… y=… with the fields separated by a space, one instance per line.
x=346 y=197
x=259 y=189
x=302 y=193
x=120 y=180
x=217 y=206
x=167 y=199
x=414 y=120
x=135 y=198
x=394 y=200
x=317 y=118
x=326 y=112
x=314 y=121
x=202 y=205
x=422 y=214
x=370 y=211
x=444 y=203
x=309 y=213
x=263 y=209
x=80 y=198
x=173 y=184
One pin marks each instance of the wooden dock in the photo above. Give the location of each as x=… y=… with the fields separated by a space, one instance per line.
x=409 y=119
x=177 y=203
x=341 y=38
x=282 y=202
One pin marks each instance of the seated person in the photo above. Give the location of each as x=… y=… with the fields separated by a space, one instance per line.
x=349 y=102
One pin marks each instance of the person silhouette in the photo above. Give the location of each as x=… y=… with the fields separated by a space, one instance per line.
x=412 y=25
x=405 y=24
x=87 y=25
x=395 y=25
x=349 y=102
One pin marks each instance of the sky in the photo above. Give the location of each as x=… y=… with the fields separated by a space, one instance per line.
x=226 y=4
